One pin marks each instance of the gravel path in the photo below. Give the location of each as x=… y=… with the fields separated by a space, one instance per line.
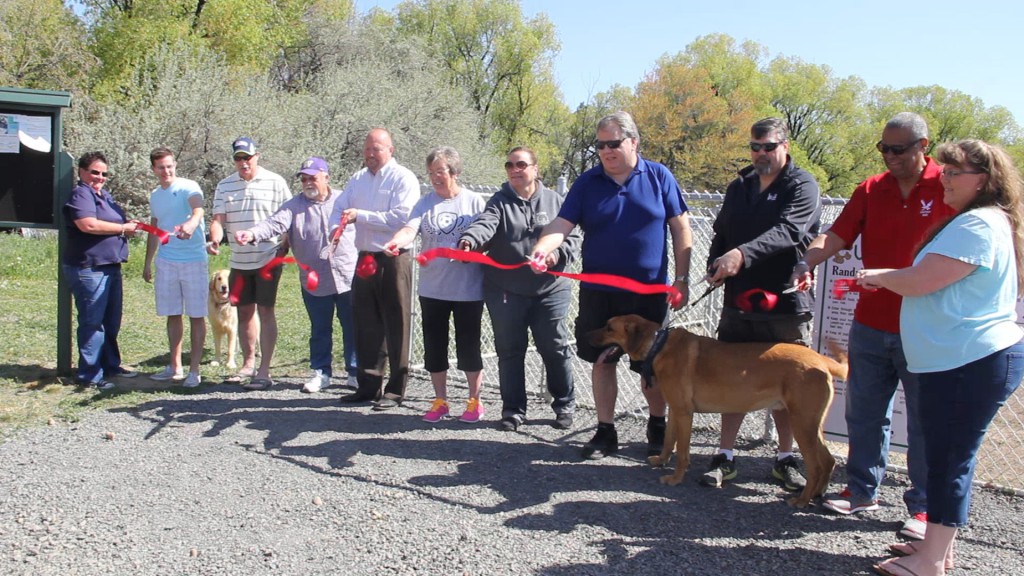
x=231 y=482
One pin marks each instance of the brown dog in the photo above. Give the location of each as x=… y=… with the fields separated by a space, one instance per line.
x=700 y=374
x=223 y=317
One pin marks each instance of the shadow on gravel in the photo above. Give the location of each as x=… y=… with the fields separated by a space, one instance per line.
x=524 y=474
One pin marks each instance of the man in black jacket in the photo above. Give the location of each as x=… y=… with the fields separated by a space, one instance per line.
x=770 y=214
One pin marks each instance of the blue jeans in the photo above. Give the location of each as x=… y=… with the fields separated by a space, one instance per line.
x=99 y=296
x=877 y=365
x=958 y=405
x=321 y=311
x=511 y=315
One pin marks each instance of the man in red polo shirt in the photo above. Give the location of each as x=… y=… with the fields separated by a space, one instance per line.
x=891 y=212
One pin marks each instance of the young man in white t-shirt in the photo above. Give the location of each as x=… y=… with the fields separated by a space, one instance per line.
x=176 y=206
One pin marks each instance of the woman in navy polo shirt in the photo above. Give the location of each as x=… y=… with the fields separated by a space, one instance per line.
x=97 y=244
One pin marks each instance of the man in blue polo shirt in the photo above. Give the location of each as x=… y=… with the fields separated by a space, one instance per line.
x=625 y=206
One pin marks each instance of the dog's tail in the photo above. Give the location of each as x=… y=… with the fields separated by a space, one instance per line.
x=838 y=364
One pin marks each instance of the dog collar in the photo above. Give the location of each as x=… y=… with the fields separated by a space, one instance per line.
x=647 y=368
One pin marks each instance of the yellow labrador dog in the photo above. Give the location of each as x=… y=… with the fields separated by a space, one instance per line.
x=700 y=374
x=223 y=318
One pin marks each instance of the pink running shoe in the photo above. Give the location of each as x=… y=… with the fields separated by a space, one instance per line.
x=474 y=411
x=438 y=410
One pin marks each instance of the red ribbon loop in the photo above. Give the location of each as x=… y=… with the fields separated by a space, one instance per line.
x=764 y=301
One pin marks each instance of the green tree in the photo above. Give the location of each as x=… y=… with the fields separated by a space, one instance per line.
x=502 y=61
x=577 y=136
x=250 y=34
x=688 y=126
x=735 y=72
x=43 y=46
x=951 y=114
x=189 y=98
x=827 y=121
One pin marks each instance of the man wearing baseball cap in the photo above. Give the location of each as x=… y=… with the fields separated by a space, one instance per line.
x=250 y=195
x=304 y=221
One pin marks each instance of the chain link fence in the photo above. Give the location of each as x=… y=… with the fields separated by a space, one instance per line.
x=1000 y=461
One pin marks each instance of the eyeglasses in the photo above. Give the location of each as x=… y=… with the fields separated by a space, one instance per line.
x=767 y=146
x=895 y=149
x=441 y=172
x=241 y=158
x=521 y=164
x=613 y=144
x=947 y=173
x=98 y=173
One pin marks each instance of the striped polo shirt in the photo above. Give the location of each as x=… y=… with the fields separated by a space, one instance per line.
x=245 y=204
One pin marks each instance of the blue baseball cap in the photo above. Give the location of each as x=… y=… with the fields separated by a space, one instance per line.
x=243 y=146
x=313 y=165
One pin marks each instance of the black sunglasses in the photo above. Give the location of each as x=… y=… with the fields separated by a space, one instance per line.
x=767 y=146
x=895 y=149
x=520 y=164
x=613 y=144
x=243 y=158
x=98 y=173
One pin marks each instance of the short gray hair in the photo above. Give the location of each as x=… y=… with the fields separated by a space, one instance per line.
x=449 y=155
x=910 y=122
x=767 y=126
x=623 y=121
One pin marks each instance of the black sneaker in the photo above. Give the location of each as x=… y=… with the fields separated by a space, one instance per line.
x=509 y=424
x=787 y=471
x=563 y=421
x=720 y=470
x=655 y=437
x=604 y=442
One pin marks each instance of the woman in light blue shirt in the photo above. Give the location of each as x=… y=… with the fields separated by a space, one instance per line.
x=958 y=322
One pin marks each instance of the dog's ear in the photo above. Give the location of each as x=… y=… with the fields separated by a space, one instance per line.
x=634 y=336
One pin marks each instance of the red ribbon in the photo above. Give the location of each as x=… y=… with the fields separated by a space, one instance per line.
x=755 y=297
x=840 y=286
x=236 y=290
x=312 y=278
x=163 y=235
x=673 y=294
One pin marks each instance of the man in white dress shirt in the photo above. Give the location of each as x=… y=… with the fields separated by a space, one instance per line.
x=378 y=200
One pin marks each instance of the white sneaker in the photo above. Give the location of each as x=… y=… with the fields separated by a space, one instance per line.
x=318 y=382
x=105 y=385
x=352 y=382
x=193 y=380
x=167 y=374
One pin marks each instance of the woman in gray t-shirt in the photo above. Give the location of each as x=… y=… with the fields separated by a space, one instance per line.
x=447 y=288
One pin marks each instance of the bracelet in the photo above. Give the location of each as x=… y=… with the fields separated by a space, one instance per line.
x=683 y=279
x=802 y=262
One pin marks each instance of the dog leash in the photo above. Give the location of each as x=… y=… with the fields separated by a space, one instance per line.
x=709 y=290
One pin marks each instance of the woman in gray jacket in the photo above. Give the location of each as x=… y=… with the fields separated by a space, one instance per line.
x=519 y=300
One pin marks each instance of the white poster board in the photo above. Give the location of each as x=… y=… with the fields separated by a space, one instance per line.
x=832 y=320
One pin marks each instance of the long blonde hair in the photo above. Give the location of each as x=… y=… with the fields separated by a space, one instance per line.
x=1003 y=188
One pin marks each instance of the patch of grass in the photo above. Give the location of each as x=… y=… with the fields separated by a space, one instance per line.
x=31 y=393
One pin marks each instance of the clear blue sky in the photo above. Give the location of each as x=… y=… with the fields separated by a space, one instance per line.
x=975 y=47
